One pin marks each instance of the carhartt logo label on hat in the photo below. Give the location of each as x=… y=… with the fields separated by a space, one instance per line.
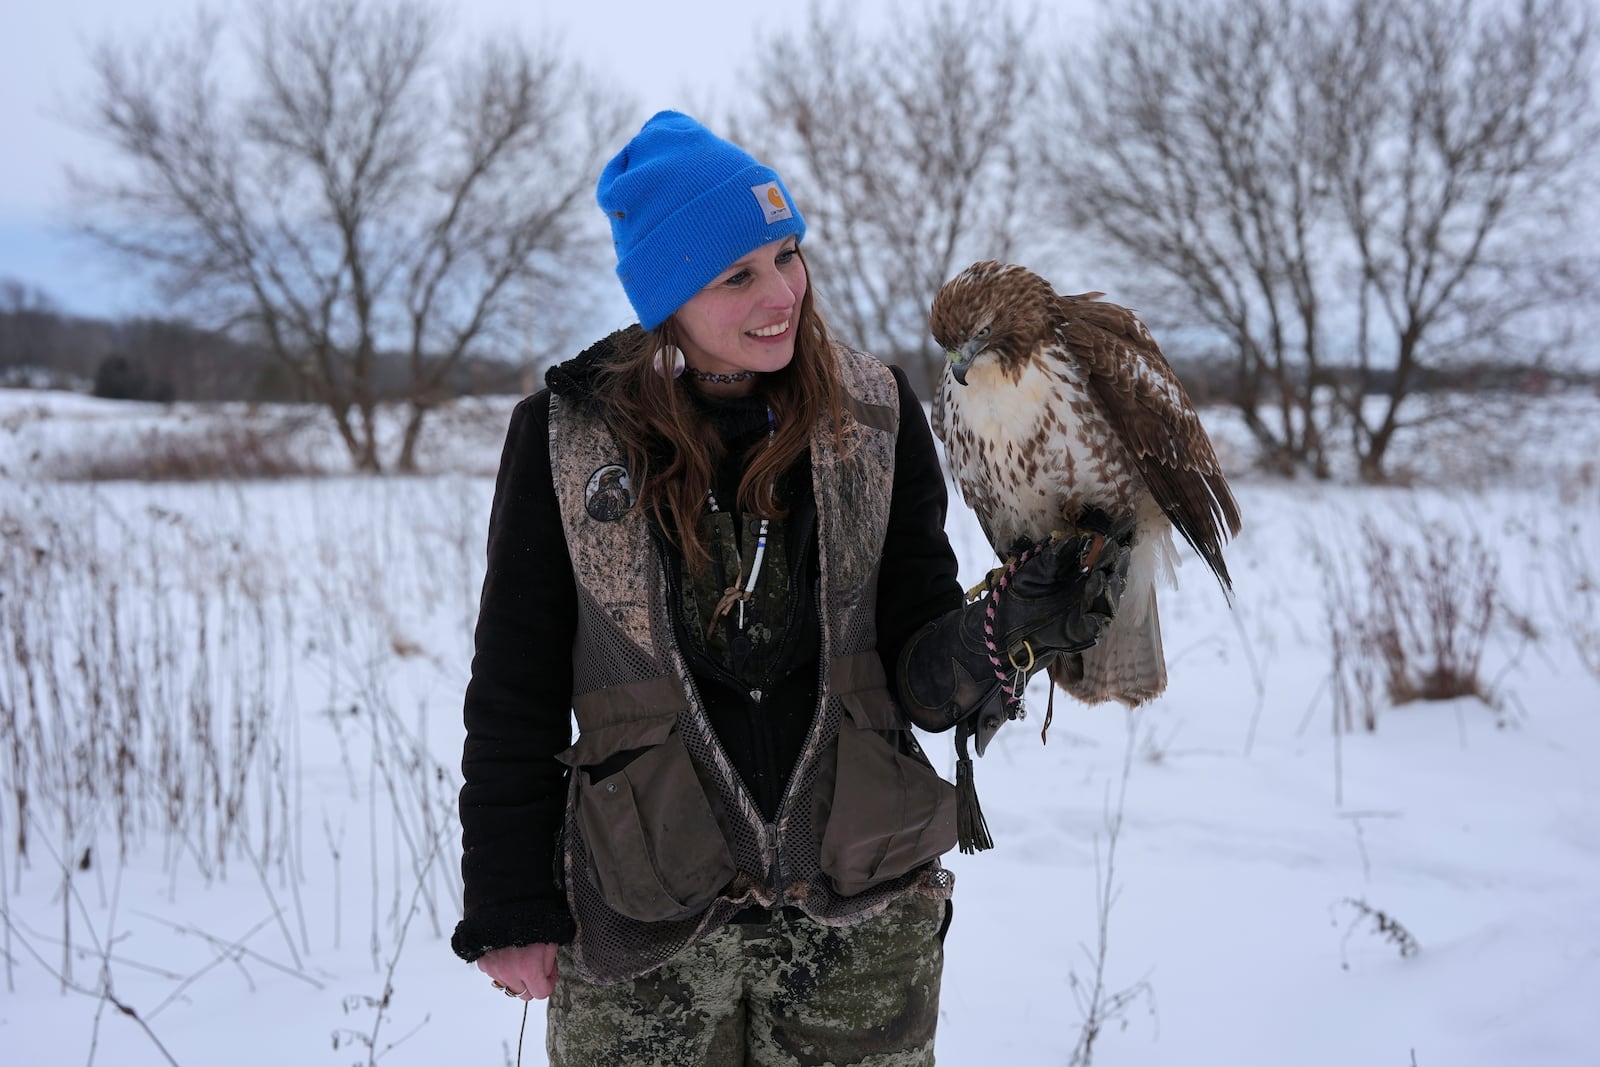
x=773 y=205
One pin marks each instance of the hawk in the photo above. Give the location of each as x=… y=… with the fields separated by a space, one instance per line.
x=1051 y=404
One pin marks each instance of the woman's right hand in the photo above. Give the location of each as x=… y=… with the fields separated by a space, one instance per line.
x=527 y=971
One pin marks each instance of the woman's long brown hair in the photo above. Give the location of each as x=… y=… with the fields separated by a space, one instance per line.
x=672 y=449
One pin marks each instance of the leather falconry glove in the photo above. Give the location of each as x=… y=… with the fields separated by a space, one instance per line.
x=1058 y=600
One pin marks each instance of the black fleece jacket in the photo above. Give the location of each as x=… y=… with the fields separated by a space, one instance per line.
x=518 y=702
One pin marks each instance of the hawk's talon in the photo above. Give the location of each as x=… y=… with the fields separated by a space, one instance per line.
x=989 y=581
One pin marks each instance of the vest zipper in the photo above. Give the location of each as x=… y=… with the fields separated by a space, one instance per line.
x=791 y=610
x=769 y=846
x=769 y=830
x=775 y=871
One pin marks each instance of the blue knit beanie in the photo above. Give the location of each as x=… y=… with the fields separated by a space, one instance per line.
x=683 y=205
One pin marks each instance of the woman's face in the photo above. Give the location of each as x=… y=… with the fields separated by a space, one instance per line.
x=745 y=319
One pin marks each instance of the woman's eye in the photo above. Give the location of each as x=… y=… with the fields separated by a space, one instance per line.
x=787 y=256
x=738 y=279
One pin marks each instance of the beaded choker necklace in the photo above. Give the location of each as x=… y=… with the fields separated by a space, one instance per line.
x=725 y=379
x=743 y=589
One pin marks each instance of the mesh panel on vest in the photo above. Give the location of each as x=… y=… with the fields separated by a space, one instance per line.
x=610 y=658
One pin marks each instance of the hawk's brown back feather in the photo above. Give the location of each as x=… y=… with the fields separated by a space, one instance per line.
x=1150 y=411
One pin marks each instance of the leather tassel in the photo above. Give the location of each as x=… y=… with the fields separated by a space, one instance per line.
x=729 y=598
x=972 y=832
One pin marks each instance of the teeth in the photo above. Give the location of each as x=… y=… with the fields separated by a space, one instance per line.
x=771 y=331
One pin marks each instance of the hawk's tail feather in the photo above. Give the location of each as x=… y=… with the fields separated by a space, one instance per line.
x=1128 y=664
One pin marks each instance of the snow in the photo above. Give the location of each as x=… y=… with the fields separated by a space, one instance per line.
x=1247 y=825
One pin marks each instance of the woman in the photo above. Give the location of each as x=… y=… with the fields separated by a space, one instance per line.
x=715 y=538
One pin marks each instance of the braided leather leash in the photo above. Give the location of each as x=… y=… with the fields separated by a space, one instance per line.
x=1009 y=682
x=1012 y=683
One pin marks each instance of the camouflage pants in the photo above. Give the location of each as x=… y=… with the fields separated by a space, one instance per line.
x=789 y=992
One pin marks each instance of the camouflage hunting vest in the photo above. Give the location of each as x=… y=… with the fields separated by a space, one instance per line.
x=668 y=848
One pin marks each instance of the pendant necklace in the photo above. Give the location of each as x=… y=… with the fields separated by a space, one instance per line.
x=742 y=590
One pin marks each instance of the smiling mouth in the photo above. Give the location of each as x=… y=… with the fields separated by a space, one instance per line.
x=771 y=331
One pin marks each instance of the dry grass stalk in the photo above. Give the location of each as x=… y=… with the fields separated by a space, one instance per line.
x=1410 y=620
x=1384 y=925
x=160 y=678
x=221 y=450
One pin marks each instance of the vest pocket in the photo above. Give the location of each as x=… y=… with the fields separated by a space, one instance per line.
x=889 y=812
x=655 y=850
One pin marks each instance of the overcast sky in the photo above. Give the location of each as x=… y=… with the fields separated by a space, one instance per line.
x=667 y=54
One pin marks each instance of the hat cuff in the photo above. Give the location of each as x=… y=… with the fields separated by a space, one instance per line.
x=694 y=244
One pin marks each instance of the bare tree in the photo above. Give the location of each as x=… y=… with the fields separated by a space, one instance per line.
x=904 y=150
x=359 y=193
x=1458 y=138
x=1345 y=192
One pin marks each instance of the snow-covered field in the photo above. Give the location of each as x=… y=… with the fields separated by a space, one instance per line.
x=274 y=718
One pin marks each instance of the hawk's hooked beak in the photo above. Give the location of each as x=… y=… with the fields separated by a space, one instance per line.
x=961 y=359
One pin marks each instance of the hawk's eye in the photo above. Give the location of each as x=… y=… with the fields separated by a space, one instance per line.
x=984 y=332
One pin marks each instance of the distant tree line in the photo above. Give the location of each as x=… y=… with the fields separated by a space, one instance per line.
x=1321 y=206
x=166 y=360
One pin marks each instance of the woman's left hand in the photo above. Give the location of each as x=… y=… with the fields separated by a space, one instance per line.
x=525 y=971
